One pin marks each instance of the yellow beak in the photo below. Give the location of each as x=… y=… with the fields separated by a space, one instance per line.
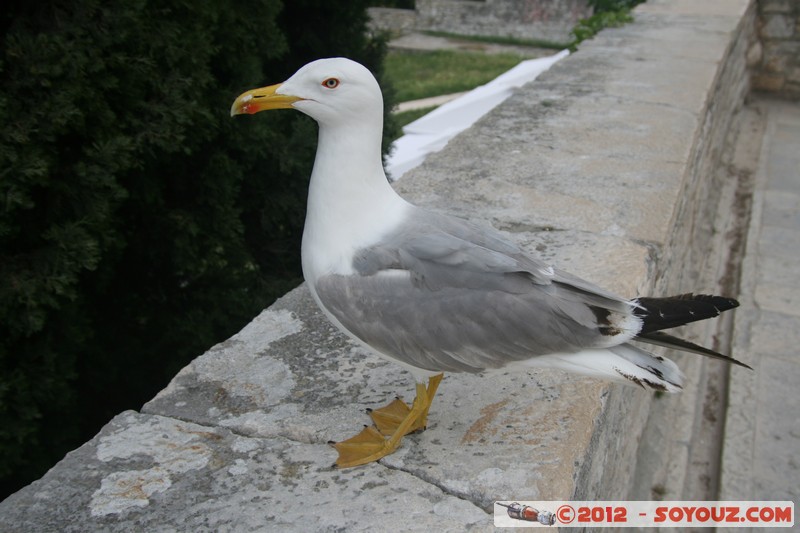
x=261 y=100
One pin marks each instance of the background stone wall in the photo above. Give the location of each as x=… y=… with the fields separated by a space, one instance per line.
x=393 y=20
x=779 y=30
x=524 y=19
x=550 y=20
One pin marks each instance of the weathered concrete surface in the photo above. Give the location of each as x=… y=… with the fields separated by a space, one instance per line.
x=761 y=455
x=602 y=167
x=152 y=473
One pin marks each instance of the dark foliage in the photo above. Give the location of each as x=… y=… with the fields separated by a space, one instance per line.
x=139 y=224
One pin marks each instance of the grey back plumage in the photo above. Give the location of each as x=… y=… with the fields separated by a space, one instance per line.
x=442 y=294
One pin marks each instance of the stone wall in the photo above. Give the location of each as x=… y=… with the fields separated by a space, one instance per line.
x=606 y=167
x=393 y=20
x=549 y=20
x=779 y=30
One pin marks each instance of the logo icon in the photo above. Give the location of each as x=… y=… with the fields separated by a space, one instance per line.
x=527 y=513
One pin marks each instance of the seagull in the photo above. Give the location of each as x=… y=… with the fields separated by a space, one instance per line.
x=435 y=293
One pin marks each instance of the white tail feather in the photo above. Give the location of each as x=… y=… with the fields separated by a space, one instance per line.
x=623 y=363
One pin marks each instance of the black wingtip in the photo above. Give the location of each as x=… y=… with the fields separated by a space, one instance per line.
x=722 y=303
x=660 y=338
x=674 y=311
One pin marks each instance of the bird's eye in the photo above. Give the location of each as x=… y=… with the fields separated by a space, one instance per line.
x=330 y=83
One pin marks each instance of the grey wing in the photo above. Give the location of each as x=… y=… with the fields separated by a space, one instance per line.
x=444 y=295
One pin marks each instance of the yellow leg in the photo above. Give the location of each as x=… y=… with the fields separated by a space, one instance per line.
x=370 y=445
x=388 y=418
x=433 y=386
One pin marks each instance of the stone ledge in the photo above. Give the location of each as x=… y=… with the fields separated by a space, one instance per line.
x=599 y=167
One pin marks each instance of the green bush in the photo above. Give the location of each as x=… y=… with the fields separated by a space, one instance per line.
x=139 y=224
x=606 y=14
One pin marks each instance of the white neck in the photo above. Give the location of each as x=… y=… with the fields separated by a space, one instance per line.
x=350 y=202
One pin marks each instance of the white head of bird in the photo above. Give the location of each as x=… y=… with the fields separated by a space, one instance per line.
x=331 y=91
x=349 y=198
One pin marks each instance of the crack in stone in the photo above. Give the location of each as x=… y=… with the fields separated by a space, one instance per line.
x=419 y=475
x=431 y=481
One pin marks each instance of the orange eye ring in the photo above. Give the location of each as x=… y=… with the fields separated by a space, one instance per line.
x=330 y=83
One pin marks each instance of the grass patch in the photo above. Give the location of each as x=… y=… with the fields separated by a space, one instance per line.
x=417 y=75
